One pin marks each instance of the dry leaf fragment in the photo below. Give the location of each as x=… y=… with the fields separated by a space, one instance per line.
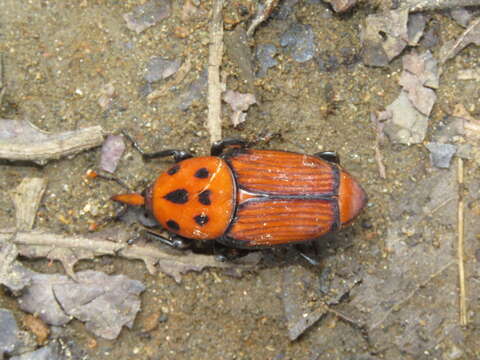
x=147 y=15
x=112 y=151
x=104 y=302
x=12 y=273
x=107 y=93
x=384 y=37
x=239 y=103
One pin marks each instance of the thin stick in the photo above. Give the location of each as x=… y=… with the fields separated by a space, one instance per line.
x=214 y=121
x=3 y=88
x=51 y=146
x=461 y=270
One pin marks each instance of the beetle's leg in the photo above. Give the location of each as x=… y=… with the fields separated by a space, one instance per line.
x=223 y=253
x=219 y=146
x=173 y=241
x=330 y=156
x=300 y=248
x=178 y=155
x=92 y=174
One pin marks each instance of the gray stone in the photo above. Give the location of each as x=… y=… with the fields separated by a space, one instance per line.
x=441 y=154
x=299 y=39
x=8 y=331
x=407 y=125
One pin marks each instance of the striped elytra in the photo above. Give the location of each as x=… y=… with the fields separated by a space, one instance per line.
x=254 y=198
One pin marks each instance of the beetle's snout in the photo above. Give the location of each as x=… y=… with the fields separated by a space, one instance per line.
x=133 y=199
x=352 y=198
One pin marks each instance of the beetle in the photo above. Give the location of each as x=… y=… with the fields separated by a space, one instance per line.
x=249 y=198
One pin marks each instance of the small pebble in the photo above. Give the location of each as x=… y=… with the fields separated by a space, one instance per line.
x=441 y=154
x=299 y=40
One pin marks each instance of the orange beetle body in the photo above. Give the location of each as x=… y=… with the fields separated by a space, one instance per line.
x=249 y=198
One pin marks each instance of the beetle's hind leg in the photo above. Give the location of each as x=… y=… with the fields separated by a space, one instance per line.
x=219 y=146
x=178 y=155
x=330 y=156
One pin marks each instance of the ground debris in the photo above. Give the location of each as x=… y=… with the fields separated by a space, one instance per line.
x=112 y=151
x=159 y=68
x=470 y=36
x=70 y=249
x=52 y=351
x=424 y=5
x=461 y=15
x=105 y=303
x=418 y=79
x=215 y=55
x=408 y=114
x=8 y=332
x=441 y=154
x=342 y=5
x=416 y=26
x=12 y=273
x=299 y=42
x=469 y=74
x=265 y=58
x=263 y=13
x=238 y=51
x=107 y=94
x=384 y=37
x=180 y=74
x=405 y=124
x=306 y=298
x=147 y=15
x=21 y=141
x=13 y=341
x=37 y=327
x=26 y=198
x=418 y=259
x=239 y=103
x=379 y=140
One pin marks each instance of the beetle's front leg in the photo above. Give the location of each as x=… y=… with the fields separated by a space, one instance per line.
x=330 y=156
x=173 y=240
x=219 y=146
x=178 y=155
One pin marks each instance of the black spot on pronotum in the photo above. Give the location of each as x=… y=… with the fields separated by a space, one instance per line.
x=173 y=225
x=202 y=173
x=204 y=197
x=201 y=219
x=179 y=196
x=173 y=170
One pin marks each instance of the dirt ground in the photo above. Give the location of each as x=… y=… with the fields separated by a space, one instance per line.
x=58 y=56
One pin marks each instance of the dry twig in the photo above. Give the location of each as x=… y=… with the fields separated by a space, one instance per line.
x=378 y=140
x=214 y=121
x=27 y=197
x=424 y=5
x=263 y=13
x=69 y=249
x=41 y=147
x=461 y=269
